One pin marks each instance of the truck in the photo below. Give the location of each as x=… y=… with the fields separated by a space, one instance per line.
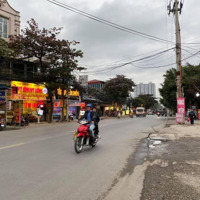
x=140 y=111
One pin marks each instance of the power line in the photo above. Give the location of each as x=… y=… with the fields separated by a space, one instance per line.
x=131 y=62
x=155 y=67
x=115 y=62
x=106 y=22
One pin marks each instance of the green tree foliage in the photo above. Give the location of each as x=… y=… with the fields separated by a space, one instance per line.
x=190 y=83
x=5 y=51
x=168 y=90
x=137 y=102
x=118 y=89
x=147 y=101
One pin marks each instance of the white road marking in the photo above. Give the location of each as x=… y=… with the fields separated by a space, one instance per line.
x=11 y=146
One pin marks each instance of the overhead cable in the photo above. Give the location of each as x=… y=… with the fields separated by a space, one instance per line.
x=114 y=25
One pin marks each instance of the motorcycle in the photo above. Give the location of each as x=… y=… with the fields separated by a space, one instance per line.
x=158 y=114
x=71 y=117
x=2 y=124
x=131 y=115
x=24 y=121
x=82 y=137
x=118 y=115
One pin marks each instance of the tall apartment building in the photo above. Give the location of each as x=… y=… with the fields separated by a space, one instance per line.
x=142 y=89
x=9 y=20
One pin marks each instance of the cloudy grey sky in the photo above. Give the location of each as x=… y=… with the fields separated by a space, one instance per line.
x=105 y=46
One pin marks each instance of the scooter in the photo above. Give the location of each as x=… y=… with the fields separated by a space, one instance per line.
x=82 y=137
x=71 y=117
x=158 y=114
x=2 y=124
x=24 y=121
x=131 y=115
x=119 y=115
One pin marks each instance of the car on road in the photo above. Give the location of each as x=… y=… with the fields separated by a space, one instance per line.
x=140 y=112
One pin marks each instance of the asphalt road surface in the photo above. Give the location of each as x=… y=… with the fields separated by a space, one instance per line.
x=39 y=162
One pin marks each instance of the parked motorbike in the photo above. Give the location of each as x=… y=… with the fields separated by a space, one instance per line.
x=118 y=115
x=2 y=124
x=71 y=117
x=131 y=115
x=82 y=137
x=24 y=121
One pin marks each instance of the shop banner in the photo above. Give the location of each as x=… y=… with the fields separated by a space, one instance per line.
x=27 y=91
x=181 y=106
x=58 y=103
x=17 y=115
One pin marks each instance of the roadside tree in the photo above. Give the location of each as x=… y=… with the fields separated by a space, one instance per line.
x=56 y=59
x=118 y=89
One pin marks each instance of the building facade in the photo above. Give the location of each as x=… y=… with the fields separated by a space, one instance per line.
x=96 y=84
x=9 y=20
x=145 y=89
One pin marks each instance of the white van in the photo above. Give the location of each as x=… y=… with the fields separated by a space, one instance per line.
x=140 y=111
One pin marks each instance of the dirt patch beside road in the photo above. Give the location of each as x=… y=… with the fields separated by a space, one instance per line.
x=180 y=179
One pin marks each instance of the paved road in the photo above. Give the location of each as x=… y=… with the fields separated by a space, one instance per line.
x=39 y=162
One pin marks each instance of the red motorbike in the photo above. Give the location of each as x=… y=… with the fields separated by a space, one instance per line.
x=82 y=137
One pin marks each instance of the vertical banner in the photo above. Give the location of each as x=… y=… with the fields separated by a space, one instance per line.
x=199 y=114
x=179 y=118
x=17 y=115
x=180 y=115
x=181 y=106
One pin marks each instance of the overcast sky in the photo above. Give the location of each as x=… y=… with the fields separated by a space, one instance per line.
x=105 y=46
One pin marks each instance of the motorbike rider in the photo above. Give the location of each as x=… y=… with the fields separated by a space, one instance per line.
x=89 y=117
x=96 y=121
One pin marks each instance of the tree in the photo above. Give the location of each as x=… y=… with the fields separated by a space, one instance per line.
x=137 y=102
x=36 y=43
x=56 y=58
x=190 y=84
x=149 y=101
x=118 y=89
x=168 y=90
x=5 y=51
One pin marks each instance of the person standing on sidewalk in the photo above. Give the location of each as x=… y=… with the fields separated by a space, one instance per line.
x=192 y=116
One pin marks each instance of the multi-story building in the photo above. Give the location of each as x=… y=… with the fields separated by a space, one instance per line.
x=143 y=89
x=9 y=20
x=13 y=69
x=96 y=84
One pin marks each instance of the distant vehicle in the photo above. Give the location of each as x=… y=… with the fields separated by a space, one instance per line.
x=140 y=111
x=150 y=113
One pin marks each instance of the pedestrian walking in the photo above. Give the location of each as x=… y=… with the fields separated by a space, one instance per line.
x=192 y=116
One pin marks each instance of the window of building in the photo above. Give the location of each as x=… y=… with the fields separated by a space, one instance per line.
x=3 y=27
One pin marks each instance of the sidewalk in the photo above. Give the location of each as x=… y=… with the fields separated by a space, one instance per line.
x=35 y=124
x=174 y=170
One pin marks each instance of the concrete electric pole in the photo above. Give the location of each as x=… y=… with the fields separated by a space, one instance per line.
x=176 y=10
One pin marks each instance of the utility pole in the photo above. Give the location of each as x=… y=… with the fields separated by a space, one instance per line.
x=176 y=10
